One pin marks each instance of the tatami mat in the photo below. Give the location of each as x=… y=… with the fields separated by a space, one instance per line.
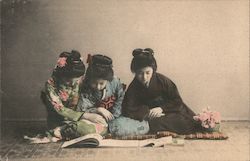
x=236 y=148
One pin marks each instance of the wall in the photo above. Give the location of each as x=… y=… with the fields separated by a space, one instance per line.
x=202 y=46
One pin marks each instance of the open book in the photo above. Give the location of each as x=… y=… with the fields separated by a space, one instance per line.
x=96 y=140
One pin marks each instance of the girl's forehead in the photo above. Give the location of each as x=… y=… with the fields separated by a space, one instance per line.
x=145 y=69
x=99 y=80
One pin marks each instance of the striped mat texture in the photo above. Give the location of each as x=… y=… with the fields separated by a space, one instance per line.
x=198 y=135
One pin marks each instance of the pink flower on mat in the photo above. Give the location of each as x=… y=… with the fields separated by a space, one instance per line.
x=196 y=118
x=212 y=124
x=204 y=116
x=216 y=116
x=204 y=124
x=61 y=62
x=63 y=95
x=208 y=118
x=99 y=128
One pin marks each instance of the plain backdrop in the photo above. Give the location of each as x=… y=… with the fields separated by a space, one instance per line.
x=203 y=46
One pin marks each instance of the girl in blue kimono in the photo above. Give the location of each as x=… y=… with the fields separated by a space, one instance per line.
x=101 y=94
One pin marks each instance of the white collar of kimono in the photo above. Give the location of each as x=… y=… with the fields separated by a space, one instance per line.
x=104 y=91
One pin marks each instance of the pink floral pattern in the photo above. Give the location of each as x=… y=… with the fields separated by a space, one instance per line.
x=57 y=106
x=51 y=82
x=61 y=62
x=208 y=118
x=64 y=95
x=99 y=128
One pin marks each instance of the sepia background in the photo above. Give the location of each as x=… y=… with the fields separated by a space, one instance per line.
x=203 y=46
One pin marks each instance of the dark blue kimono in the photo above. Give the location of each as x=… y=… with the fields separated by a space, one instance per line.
x=161 y=92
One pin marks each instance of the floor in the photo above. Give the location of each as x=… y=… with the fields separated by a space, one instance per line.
x=236 y=148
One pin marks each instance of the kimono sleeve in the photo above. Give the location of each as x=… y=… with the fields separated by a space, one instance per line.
x=132 y=107
x=56 y=102
x=119 y=93
x=171 y=95
x=85 y=104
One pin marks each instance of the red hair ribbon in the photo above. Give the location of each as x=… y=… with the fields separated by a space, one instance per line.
x=89 y=59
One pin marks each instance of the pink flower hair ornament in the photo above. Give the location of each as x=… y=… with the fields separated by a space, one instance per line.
x=61 y=62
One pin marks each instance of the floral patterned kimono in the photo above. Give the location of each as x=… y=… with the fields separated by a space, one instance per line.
x=61 y=99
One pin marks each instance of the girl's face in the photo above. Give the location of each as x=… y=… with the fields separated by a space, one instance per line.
x=98 y=84
x=68 y=80
x=144 y=75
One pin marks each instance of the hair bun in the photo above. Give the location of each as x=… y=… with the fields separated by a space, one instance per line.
x=75 y=55
x=102 y=61
x=72 y=56
x=147 y=52
x=151 y=51
x=64 y=54
x=100 y=67
x=69 y=64
x=143 y=58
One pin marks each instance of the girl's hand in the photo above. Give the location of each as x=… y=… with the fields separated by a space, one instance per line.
x=93 y=117
x=155 y=112
x=105 y=113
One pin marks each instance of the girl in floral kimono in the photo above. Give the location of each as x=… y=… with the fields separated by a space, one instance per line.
x=61 y=92
x=154 y=98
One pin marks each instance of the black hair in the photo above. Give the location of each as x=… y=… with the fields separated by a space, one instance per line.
x=100 y=67
x=73 y=66
x=143 y=58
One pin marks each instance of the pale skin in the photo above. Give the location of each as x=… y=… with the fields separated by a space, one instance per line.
x=144 y=76
x=66 y=79
x=99 y=84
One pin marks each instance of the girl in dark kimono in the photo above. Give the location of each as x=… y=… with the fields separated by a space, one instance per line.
x=153 y=97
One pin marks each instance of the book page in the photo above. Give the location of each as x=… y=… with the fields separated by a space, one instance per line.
x=136 y=143
x=124 y=143
x=81 y=139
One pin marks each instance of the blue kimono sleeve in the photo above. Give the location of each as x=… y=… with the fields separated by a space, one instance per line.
x=119 y=93
x=85 y=104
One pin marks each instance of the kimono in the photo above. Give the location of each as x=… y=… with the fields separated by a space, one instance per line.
x=110 y=98
x=65 y=109
x=61 y=99
x=161 y=92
